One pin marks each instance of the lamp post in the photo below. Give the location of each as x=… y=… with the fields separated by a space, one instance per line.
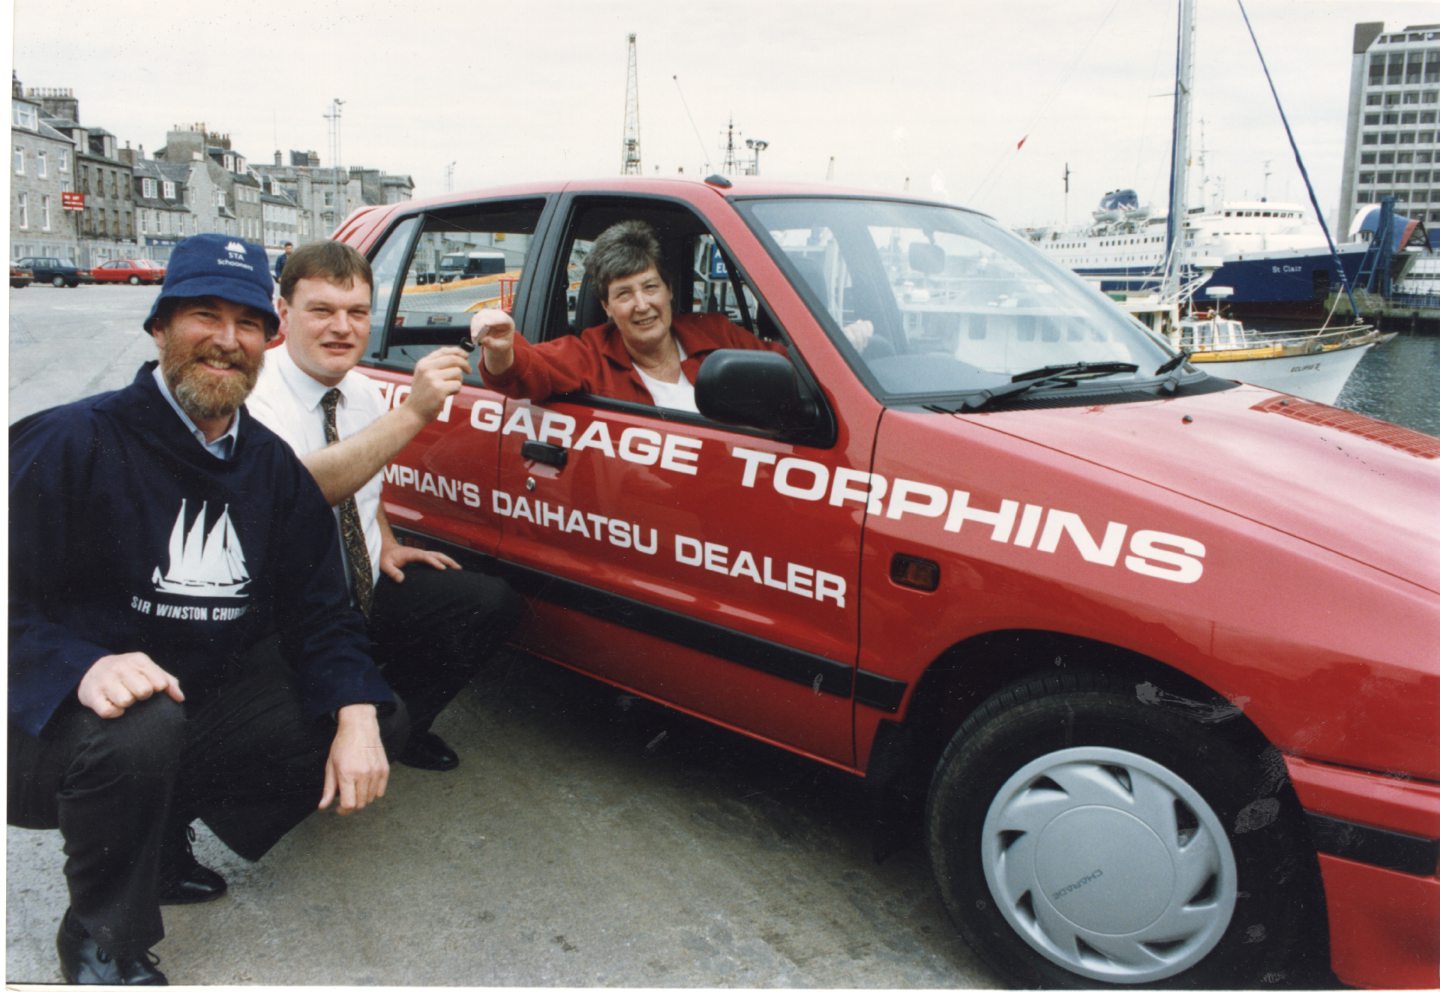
x=757 y=145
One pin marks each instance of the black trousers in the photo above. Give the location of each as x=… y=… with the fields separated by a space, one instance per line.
x=245 y=761
x=432 y=632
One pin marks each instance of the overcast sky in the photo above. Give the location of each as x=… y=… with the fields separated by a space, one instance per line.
x=933 y=93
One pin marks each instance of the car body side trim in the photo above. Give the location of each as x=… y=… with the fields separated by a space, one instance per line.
x=822 y=674
x=1374 y=845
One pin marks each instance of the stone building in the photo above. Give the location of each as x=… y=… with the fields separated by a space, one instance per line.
x=42 y=168
x=162 y=213
x=280 y=215
x=106 y=225
x=325 y=195
x=1391 y=131
x=214 y=168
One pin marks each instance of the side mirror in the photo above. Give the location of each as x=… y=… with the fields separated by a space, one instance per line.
x=756 y=389
x=927 y=258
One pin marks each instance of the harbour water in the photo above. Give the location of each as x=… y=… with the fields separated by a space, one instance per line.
x=1398 y=381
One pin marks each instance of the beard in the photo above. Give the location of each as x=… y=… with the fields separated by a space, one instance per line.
x=202 y=396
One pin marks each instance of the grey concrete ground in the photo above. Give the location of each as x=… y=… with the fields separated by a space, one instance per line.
x=586 y=839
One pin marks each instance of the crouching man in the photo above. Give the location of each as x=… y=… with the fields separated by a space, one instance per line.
x=182 y=643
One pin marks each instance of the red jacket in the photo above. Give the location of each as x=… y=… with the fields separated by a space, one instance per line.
x=595 y=361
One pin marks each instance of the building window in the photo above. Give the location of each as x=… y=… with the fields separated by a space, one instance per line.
x=23 y=205
x=65 y=160
x=19 y=161
x=24 y=115
x=42 y=164
x=219 y=198
x=147 y=188
x=45 y=212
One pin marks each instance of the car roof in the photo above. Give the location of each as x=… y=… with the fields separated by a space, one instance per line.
x=365 y=222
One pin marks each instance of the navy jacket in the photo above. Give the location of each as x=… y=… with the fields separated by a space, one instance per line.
x=126 y=535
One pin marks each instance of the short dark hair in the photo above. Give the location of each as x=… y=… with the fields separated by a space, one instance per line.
x=624 y=249
x=329 y=260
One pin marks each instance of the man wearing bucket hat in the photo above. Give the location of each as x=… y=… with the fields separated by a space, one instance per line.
x=181 y=640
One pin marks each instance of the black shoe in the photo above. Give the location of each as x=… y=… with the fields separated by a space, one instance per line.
x=429 y=752
x=82 y=962
x=183 y=880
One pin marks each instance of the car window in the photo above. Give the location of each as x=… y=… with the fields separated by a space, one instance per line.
x=702 y=278
x=433 y=272
x=693 y=258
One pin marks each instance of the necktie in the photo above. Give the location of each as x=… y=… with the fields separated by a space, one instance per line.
x=352 y=534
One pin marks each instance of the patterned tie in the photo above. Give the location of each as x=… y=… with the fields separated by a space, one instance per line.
x=352 y=535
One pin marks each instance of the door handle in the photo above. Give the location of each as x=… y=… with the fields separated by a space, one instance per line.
x=547 y=454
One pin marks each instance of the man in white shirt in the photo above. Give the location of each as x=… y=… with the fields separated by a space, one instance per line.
x=432 y=623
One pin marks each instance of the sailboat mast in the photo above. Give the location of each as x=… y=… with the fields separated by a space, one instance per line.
x=1179 y=150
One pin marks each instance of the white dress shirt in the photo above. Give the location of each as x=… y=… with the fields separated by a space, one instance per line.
x=287 y=400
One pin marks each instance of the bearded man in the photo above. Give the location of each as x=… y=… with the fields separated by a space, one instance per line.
x=182 y=644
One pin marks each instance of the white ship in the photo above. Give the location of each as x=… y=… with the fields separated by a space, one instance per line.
x=1264 y=252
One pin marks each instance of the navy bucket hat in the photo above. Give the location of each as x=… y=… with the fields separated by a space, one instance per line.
x=222 y=266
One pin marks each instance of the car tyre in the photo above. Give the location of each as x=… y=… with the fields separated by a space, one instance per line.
x=58 y=282
x=134 y=280
x=1086 y=833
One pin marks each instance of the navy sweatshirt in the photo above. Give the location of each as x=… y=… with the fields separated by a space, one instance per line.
x=126 y=535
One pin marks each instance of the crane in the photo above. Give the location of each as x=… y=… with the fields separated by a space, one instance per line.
x=630 y=144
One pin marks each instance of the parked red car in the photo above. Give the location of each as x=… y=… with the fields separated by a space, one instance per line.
x=1151 y=656
x=132 y=270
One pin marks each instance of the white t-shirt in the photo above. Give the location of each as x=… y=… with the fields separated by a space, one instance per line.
x=671 y=395
x=287 y=400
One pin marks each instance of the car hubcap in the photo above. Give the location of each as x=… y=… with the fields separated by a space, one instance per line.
x=1109 y=864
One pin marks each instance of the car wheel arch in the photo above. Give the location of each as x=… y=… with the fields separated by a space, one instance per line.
x=905 y=752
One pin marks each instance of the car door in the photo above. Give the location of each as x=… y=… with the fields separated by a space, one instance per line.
x=693 y=562
x=437 y=489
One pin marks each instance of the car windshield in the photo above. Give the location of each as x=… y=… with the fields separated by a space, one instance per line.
x=958 y=305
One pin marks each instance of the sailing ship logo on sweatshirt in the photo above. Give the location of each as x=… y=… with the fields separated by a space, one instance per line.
x=210 y=564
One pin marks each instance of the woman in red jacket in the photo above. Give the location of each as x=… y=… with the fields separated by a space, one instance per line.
x=645 y=353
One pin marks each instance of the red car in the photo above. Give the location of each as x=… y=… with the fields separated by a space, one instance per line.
x=132 y=270
x=1149 y=655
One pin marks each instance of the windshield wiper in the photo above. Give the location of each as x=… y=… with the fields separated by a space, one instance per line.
x=1024 y=382
x=1172 y=370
